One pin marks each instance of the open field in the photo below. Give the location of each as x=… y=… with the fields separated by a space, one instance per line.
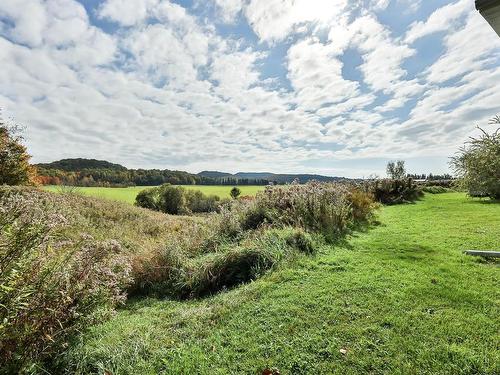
x=128 y=194
x=400 y=298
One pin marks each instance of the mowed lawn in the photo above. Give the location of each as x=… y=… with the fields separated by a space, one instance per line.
x=128 y=194
x=399 y=298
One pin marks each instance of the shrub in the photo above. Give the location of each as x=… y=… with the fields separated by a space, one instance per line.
x=147 y=198
x=197 y=202
x=235 y=192
x=478 y=164
x=176 y=200
x=327 y=208
x=172 y=200
x=50 y=286
x=389 y=191
x=300 y=240
x=435 y=189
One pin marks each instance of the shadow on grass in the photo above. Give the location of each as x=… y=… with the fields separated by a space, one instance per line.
x=481 y=200
x=414 y=253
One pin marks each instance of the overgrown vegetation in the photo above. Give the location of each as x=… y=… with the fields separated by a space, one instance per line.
x=478 y=164
x=67 y=261
x=401 y=298
x=241 y=241
x=51 y=284
x=390 y=191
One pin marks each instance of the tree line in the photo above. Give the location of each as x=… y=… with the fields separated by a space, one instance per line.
x=116 y=177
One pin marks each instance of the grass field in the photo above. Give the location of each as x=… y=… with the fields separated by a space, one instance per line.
x=400 y=298
x=128 y=194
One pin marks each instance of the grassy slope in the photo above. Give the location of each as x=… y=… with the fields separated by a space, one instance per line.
x=128 y=194
x=400 y=298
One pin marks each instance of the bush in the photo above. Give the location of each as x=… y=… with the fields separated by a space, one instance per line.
x=478 y=164
x=235 y=192
x=176 y=200
x=327 y=208
x=197 y=202
x=387 y=191
x=147 y=198
x=435 y=189
x=50 y=286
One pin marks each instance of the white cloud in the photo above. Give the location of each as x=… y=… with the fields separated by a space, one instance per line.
x=315 y=73
x=382 y=55
x=468 y=49
x=126 y=12
x=167 y=90
x=440 y=20
x=229 y=9
x=273 y=20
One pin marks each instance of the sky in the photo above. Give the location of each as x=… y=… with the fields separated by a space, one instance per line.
x=334 y=87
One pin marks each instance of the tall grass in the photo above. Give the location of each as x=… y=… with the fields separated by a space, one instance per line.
x=68 y=261
x=50 y=286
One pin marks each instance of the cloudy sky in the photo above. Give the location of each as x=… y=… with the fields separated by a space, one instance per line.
x=336 y=87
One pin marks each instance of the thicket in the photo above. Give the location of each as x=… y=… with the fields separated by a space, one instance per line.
x=394 y=191
x=176 y=200
x=51 y=285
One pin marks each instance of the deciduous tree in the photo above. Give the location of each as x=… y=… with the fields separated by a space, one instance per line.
x=15 y=168
x=477 y=163
x=396 y=169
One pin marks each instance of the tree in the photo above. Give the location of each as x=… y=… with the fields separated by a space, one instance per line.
x=396 y=169
x=15 y=168
x=478 y=163
x=235 y=192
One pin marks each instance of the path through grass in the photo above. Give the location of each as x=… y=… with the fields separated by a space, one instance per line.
x=398 y=299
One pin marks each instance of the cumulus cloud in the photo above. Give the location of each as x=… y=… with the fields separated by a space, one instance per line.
x=155 y=84
x=273 y=20
x=229 y=9
x=440 y=20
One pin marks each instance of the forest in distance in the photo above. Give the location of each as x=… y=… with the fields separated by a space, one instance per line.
x=100 y=173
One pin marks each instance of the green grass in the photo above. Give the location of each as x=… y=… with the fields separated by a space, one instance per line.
x=128 y=194
x=400 y=298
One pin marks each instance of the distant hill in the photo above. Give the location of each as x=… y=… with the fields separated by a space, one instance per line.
x=92 y=172
x=75 y=165
x=214 y=174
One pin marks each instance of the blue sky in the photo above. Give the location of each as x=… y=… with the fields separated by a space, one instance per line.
x=334 y=87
